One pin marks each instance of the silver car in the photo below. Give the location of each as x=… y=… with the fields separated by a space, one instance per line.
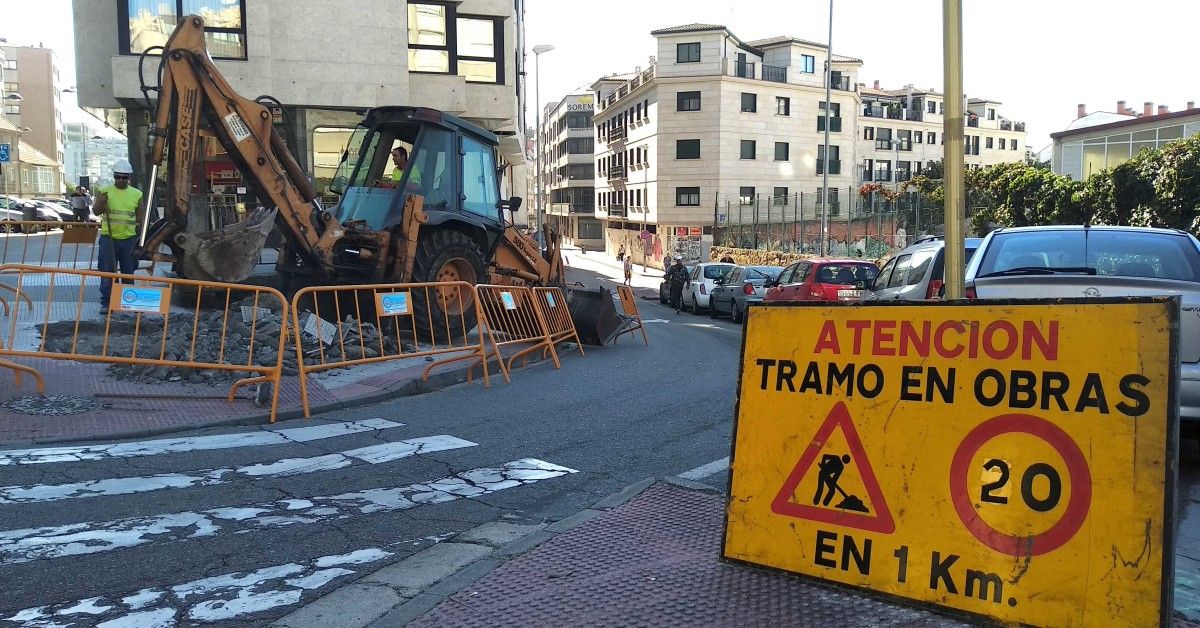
x=1081 y=261
x=742 y=286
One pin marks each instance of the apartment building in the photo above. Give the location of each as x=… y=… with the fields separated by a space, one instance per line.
x=32 y=95
x=1102 y=140
x=716 y=122
x=902 y=133
x=90 y=157
x=567 y=172
x=465 y=58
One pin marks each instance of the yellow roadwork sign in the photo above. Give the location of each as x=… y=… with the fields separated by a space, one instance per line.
x=1012 y=460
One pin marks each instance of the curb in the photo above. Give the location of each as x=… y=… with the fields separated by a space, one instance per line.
x=404 y=591
x=438 y=381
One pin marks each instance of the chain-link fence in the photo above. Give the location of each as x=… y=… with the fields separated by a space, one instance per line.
x=868 y=226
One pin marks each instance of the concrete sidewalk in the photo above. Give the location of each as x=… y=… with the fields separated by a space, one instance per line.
x=647 y=556
x=645 y=281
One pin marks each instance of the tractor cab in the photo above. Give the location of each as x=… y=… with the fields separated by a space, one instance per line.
x=397 y=152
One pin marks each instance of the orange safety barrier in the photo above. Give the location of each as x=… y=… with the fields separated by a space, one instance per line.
x=512 y=317
x=55 y=244
x=629 y=308
x=558 y=316
x=404 y=326
x=153 y=321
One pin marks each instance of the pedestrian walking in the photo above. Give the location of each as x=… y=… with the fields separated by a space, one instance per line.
x=677 y=278
x=81 y=203
x=621 y=253
x=628 y=270
x=120 y=208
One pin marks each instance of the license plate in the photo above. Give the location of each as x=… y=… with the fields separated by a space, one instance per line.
x=850 y=294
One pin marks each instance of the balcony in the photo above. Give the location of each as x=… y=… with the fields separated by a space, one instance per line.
x=617 y=134
x=866 y=174
x=835 y=124
x=774 y=74
x=1006 y=125
x=973 y=121
x=1019 y=126
x=840 y=83
x=882 y=175
x=618 y=211
x=916 y=115
x=835 y=166
x=873 y=111
x=618 y=174
x=884 y=144
x=743 y=69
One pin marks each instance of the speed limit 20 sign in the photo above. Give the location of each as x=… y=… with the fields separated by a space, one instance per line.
x=1014 y=460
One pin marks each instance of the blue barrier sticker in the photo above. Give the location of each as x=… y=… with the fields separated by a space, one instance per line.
x=143 y=299
x=550 y=300
x=509 y=302
x=394 y=304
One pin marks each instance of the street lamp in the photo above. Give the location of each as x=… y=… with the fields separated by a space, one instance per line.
x=537 y=94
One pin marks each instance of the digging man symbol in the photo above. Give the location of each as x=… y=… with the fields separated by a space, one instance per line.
x=831 y=469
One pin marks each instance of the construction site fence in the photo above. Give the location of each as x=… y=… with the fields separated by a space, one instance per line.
x=386 y=322
x=514 y=321
x=150 y=321
x=557 y=313
x=52 y=244
x=630 y=309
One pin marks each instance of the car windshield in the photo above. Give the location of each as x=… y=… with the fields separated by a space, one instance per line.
x=846 y=274
x=717 y=271
x=762 y=272
x=1116 y=253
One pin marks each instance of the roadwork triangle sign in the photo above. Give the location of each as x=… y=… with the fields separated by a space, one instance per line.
x=832 y=503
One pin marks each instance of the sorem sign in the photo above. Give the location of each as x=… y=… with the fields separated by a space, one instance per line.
x=1009 y=460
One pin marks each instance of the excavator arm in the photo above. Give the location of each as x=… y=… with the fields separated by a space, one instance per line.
x=196 y=99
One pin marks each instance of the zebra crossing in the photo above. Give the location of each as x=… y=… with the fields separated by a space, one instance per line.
x=99 y=541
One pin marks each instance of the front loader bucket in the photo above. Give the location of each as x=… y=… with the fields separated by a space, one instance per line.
x=227 y=254
x=595 y=315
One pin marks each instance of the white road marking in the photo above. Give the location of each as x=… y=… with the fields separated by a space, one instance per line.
x=374 y=454
x=218 y=598
x=195 y=443
x=703 y=471
x=655 y=320
x=25 y=545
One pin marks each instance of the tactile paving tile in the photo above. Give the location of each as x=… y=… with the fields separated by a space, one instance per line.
x=655 y=562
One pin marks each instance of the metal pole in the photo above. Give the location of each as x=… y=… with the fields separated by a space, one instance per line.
x=953 y=153
x=149 y=204
x=537 y=120
x=825 y=165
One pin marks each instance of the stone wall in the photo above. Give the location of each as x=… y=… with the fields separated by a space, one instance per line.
x=751 y=257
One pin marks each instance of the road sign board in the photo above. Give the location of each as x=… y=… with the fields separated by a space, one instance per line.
x=1014 y=460
x=4 y=158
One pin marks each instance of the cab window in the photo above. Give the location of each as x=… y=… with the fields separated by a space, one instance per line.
x=480 y=185
x=429 y=173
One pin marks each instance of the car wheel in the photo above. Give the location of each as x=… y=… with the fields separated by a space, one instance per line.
x=662 y=298
x=736 y=314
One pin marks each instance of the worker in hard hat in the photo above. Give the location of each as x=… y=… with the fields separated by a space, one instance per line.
x=120 y=209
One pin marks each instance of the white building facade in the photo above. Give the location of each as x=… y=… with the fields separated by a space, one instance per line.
x=567 y=171
x=1104 y=140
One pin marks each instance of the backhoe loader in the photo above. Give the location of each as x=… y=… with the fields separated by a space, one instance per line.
x=440 y=219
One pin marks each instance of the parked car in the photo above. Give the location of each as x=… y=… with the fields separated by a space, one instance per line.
x=822 y=280
x=703 y=279
x=741 y=287
x=664 y=290
x=9 y=212
x=916 y=273
x=1079 y=261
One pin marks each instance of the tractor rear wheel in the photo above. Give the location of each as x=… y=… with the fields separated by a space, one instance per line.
x=446 y=314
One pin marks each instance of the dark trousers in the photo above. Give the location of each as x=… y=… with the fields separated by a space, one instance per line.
x=122 y=253
x=677 y=295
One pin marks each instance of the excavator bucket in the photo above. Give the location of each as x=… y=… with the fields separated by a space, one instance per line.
x=595 y=316
x=227 y=254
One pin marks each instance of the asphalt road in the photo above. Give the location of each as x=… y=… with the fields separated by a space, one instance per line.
x=240 y=533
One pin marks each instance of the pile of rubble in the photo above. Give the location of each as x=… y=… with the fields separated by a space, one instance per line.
x=182 y=331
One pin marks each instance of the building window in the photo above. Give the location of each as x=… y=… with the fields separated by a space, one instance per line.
x=932 y=137
x=918 y=137
x=783 y=106
x=781 y=151
x=745 y=195
x=11 y=64
x=442 y=42
x=902 y=173
x=147 y=23
x=779 y=196
x=868 y=132
x=687 y=53
x=687 y=149
x=749 y=147
x=991 y=114
x=932 y=106
x=687 y=101
x=807 y=64
x=989 y=142
x=904 y=136
x=835 y=164
x=1013 y=145
x=12 y=109
x=867 y=174
x=687 y=197
x=1002 y=144
x=832 y=118
x=749 y=102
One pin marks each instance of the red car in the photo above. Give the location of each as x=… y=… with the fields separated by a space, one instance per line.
x=822 y=280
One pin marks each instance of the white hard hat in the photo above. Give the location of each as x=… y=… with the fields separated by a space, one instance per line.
x=122 y=167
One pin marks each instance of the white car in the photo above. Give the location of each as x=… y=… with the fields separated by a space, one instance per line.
x=703 y=280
